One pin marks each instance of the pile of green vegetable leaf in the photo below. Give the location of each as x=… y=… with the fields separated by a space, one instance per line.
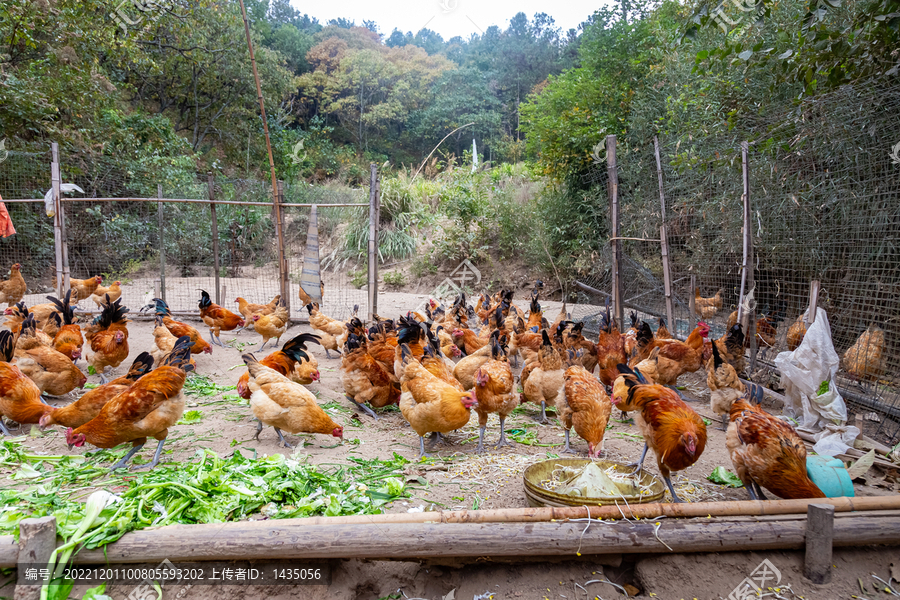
x=208 y=489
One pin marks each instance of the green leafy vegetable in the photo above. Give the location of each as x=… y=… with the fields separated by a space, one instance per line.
x=723 y=476
x=823 y=387
x=200 y=385
x=191 y=417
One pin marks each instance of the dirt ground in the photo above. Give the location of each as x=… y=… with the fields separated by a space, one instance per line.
x=457 y=478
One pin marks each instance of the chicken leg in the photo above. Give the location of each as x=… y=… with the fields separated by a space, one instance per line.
x=263 y=345
x=639 y=464
x=502 y=441
x=422 y=453
x=259 y=427
x=759 y=492
x=568 y=449
x=103 y=378
x=725 y=421
x=436 y=438
x=543 y=418
x=3 y=428
x=362 y=407
x=122 y=463
x=675 y=497
x=155 y=460
x=327 y=354
x=283 y=441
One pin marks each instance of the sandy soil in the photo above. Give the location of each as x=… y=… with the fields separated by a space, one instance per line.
x=458 y=478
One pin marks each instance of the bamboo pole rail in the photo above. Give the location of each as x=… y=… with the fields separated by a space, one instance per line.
x=718 y=526
x=251 y=540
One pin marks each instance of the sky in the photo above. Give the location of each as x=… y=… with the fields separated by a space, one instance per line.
x=447 y=17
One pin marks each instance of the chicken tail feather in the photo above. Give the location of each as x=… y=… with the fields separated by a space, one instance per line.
x=180 y=356
x=7 y=345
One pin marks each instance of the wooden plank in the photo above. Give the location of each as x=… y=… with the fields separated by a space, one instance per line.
x=160 y=216
x=373 y=233
x=819 y=543
x=281 y=539
x=615 y=244
x=37 y=540
x=211 y=188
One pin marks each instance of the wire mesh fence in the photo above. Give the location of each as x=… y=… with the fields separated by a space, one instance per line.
x=214 y=234
x=825 y=205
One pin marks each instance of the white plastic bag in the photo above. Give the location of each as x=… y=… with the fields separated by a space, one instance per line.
x=835 y=439
x=802 y=373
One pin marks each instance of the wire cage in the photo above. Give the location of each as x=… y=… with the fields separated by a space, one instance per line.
x=824 y=181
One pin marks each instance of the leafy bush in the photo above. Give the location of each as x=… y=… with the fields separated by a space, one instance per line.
x=395 y=278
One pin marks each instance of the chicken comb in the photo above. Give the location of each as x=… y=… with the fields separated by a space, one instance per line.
x=7 y=345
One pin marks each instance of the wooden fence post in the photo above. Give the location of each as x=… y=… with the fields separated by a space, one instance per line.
x=37 y=541
x=819 y=539
x=615 y=243
x=373 y=241
x=211 y=186
x=283 y=272
x=664 y=242
x=162 y=242
x=748 y=274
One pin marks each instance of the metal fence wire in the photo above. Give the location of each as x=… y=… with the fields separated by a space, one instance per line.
x=214 y=234
x=825 y=205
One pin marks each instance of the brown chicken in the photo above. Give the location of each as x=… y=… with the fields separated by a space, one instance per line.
x=20 y=397
x=273 y=325
x=69 y=339
x=767 y=452
x=13 y=289
x=468 y=341
x=88 y=406
x=766 y=331
x=84 y=288
x=465 y=369
x=707 y=307
x=795 y=334
x=584 y=405
x=544 y=381
x=865 y=358
x=534 y=314
x=611 y=349
x=494 y=386
x=365 y=380
x=429 y=404
x=108 y=336
x=674 y=431
x=288 y=361
x=279 y=402
x=662 y=332
x=725 y=387
x=247 y=309
x=179 y=329
x=675 y=357
x=218 y=319
x=411 y=333
x=148 y=408
x=731 y=348
x=327 y=328
x=53 y=372
x=104 y=295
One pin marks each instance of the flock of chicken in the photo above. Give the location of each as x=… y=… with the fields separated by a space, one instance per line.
x=41 y=345
x=410 y=362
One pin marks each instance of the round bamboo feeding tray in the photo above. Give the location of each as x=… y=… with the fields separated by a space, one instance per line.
x=539 y=496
